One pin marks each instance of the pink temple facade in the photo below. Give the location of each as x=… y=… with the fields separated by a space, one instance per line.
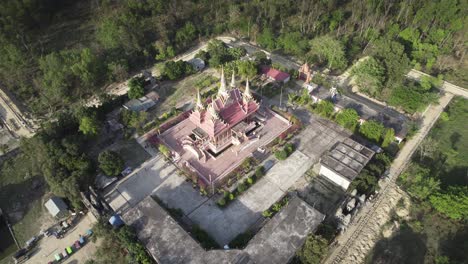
x=224 y=120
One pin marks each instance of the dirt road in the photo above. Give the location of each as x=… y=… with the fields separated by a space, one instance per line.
x=364 y=231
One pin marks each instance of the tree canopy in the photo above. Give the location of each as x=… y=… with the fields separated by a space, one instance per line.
x=90 y=125
x=369 y=76
x=314 y=249
x=348 y=118
x=111 y=163
x=328 y=50
x=372 y=130
x=137 y=88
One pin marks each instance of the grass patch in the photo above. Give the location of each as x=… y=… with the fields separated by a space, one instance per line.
x=132 y=152
x=186 y=88
x=452 y=138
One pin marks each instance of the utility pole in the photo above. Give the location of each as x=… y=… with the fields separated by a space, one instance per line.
x=281 y=96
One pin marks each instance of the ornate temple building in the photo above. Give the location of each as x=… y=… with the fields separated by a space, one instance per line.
x=223 y=121
x=221 y=132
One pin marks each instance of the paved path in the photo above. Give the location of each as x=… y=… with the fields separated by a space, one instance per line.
x=364 y=231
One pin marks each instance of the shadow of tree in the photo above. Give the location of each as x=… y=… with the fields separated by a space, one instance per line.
x=456 y=246
x=16 y=198
x=405 y=247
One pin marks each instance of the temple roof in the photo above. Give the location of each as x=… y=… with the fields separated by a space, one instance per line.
x=221 y=115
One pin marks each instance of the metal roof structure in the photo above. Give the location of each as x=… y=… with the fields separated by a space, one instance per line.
x=55 y=206
x=347 y=158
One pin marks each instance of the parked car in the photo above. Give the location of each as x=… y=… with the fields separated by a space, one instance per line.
x=69 y=250
x=82 y=240
x=77 y=245
x=65 y=254
x=89 y=233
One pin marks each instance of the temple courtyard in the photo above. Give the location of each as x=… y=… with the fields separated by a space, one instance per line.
x=159 y=178
x=212 y=168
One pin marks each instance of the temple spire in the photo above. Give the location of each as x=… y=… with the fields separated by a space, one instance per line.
x=199 y=106
x=222 y=88
x=212 y=111
x=233 y=80
x=247 y=94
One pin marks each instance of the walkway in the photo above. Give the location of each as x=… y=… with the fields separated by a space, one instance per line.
x=364 y=231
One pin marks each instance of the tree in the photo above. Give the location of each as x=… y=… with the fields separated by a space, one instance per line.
x=137 y=88
x=369 y=76
x=111 y=163
x=452 y=203
x=325 y=108
x=392 y=55
x=293 y=43
x=314 y=249
x=422 y=185
x=388 y=137
x=118 y=70
x=246 y=69
x=89 y=125
x=261 y=58
x=176 y=70
x=86 y=66
x=372 y=130
x=185 y=35
x=55 y=76
x=348 y=118
x=328 y=49
x=266 y=39
x=237 y=53
x=365 y=183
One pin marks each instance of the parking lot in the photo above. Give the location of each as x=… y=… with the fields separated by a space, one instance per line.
x=47 y=247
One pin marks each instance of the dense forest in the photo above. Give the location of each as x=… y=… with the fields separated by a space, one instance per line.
x=53 y=53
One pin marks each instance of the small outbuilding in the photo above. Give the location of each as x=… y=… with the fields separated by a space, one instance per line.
x=276 y=75
x=197 y=64
x=343 y=163
x=56 y=207
x=142 y=104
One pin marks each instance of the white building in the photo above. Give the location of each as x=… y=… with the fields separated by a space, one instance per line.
x=343 y=163
x=56 y=207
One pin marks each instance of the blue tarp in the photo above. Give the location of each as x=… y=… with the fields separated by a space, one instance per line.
x=116 y=221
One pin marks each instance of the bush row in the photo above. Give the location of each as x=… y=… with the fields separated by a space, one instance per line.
x=241 y=187
x=276 y=207
x=285 y=152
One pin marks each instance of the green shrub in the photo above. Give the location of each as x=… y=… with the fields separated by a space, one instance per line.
x=289 y=148
x=281 y=154
x=241 y=187
x=276 y=207
x=249 y=180
x=221 y=202
x=259 y=172
x=267 y=213
x=231 y=196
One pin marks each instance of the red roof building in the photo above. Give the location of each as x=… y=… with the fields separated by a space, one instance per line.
x=215 y=120
x=275 y=74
